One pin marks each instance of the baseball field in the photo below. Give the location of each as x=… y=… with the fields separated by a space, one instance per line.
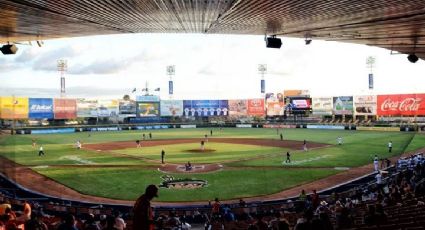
x=235 y=163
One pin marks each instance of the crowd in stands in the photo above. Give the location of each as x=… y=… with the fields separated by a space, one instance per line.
x=395 y=202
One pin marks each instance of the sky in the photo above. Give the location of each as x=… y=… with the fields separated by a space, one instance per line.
x=206 y=67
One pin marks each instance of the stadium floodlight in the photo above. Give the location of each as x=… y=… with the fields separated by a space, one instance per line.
x=9 y=49
x=273 y=42
x=412 y=58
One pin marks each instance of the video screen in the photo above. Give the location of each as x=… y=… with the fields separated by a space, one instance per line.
x=300 y=103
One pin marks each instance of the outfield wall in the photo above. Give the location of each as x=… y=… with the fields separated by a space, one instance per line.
x=15 y=108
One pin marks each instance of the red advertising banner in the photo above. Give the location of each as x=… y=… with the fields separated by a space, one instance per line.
x=65 y=108
x=401 y=104
x=256 y=107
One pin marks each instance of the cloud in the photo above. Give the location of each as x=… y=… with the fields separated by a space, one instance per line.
x=99 y=67
x=6 y=66
x=207 y=70
x=27 y=55
x=96 y=92
x=48 y=61
x=106 y=66
x=71 y=92
x=27 y=92
x=279 y=73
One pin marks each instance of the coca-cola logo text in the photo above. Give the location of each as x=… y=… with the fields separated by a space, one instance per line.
x=255 y=103
x=408 y=104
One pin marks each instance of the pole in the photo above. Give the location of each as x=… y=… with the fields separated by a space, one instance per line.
x=171 y=71
x=62 y=68
x=262 y=69
x=13 y=114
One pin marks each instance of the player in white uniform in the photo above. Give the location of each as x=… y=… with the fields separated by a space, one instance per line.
x=376 y=163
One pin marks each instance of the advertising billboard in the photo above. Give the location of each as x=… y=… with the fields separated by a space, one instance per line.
x=41 y=108
x=65 y=108
x=365 y=105
x=127 y=108
x=299 y=103
x=275 y=97
x=147 y=109
x=274 y=108
x=205 y=107
x=274 y=104
x=401 y=104
x=343 y=105
x=238 y=107
x=147 y=98
x=107 y=108
x=14 y=107
x=171 y=108
x=322 y=105
x=256 y=107
x=86 y=108
x=296 y=93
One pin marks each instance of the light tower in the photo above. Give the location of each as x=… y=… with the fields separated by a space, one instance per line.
x=62 y=68
x=171 y=71
x=262 y=69
x=370 y=63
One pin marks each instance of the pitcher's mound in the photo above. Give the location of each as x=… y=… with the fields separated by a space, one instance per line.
x=200 y=150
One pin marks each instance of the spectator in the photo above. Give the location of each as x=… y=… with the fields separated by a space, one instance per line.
x=228 y=214
x=304 y=222
x=119 y=222
x=36 y=222
x=26 y=215
x=216 y=208
x=90 y=223
x=68 y=223
x=242 y=203
x=345 y=220
x=3 y=207
x=260 y=224
x=315 y=200
x=172 y=222
x=302 y=196
x=142 y=210
x=102 y=223
x=110 y=223
x=381 y=216
x=279 y=222
x=10 y=213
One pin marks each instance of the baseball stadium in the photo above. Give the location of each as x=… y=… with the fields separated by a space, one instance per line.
x=281 y=159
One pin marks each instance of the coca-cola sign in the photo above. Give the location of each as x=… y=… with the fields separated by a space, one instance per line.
x=65 y=108
x=256 y=107
x=401 y=104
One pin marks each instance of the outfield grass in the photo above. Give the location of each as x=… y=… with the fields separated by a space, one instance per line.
x=359 y=148
x=123 y=183
x=255 y=170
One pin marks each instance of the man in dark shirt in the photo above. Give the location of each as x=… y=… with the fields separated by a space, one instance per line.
x=142 y=210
